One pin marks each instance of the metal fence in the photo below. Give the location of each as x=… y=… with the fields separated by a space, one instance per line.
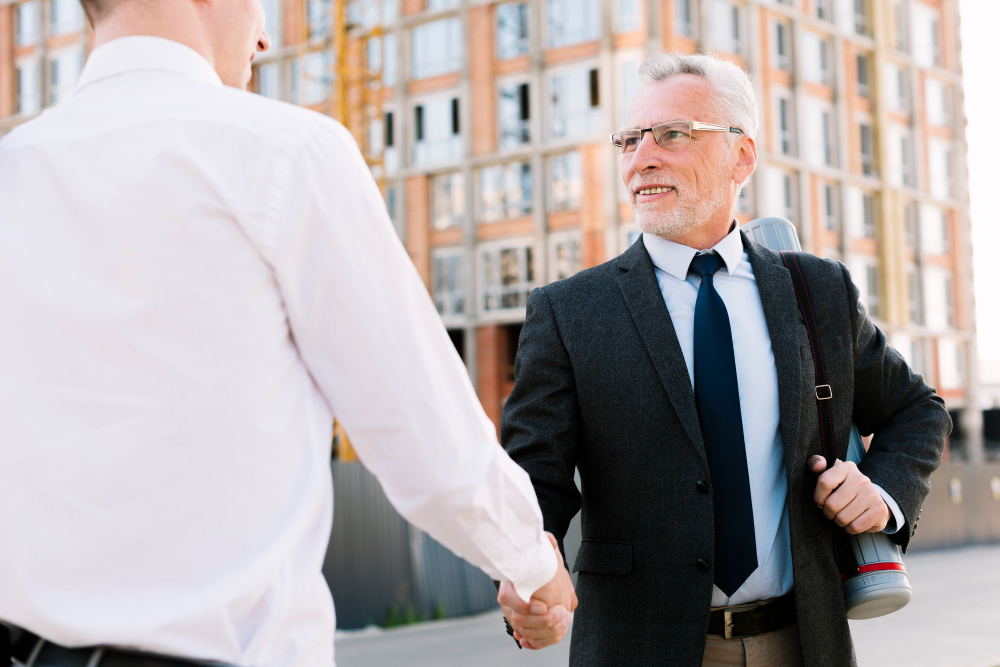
x=381 y=569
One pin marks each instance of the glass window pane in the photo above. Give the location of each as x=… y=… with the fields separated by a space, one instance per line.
x=437 y=48
x=447 y=200
x=566 y=173
x=572 y=108
x=28 y=22
x=573 y=21
x=512 y=30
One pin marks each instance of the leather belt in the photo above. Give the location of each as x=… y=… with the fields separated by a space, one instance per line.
x=32 y=651
x=753 y=619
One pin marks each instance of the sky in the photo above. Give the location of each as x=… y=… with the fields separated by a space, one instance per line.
x=980 y=19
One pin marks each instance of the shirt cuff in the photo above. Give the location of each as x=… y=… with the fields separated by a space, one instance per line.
x=896 y=521
x=543 y=567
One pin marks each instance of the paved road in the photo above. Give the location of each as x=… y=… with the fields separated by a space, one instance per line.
x=953 y=621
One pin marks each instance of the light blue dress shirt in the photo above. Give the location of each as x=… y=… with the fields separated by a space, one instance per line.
x=758 y=390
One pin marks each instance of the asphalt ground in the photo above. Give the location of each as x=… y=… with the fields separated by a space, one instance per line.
x=953 y=621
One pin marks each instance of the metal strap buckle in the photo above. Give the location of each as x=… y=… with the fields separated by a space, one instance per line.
x=824 y=392
x=727 y=624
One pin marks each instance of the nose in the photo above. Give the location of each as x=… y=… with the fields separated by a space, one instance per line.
x=263 y=42
x=647 y=155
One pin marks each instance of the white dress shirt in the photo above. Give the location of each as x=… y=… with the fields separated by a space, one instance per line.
x=758 y=389
x=195 y=280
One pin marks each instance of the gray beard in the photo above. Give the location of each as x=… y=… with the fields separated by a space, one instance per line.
x=683 y=218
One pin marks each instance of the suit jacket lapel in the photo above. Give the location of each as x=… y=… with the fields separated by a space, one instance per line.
x=781 y=310
x=638 y=285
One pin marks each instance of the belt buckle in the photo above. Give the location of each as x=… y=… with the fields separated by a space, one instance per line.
x=824 y=392
x=727 y=624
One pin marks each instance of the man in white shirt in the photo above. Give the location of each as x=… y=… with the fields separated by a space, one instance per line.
x=195 y=281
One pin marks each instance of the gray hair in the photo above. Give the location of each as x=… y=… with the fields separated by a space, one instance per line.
x=734 y=102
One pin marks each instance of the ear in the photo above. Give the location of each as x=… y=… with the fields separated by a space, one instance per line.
x=746 y=159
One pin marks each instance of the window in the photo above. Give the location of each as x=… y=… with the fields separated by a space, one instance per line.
x=906 y=160
x=684 y=17
x=272 y=21
x=782 y=46
x=936 y=102
x=744 y=205
x=629 y=86
x=872 y=291
x=830 y=207
x=938 y=301
x=823 y=10
x=27 y=23
x=565 y=255
x=950 y=363
x=925 y=26
x=949 y=301
x=573 y=21
x=789 y=196
x=826 y=125
x=725 y=28
x=512 y=30
x=515 y=115
x=363 y=13
x=436 y=131
x=566 y=179
x=446 y=279
x=508 y=277
x=390 y=129
x=392 y=208
x=867 y=156
x=319 y=18
x=29 y=87
x=861 y=17
x=914 y=296
x=911 y=229
x=939 y=167
x=815 y=58
x=627 y=18
x=868 y=209
x=269 y=80
x=864 y=80
x=898 y=78
x=901 y=32
x=67 y=17
x=312 y=78
x=934 y=230
x=574 y=104
x=437 y=48
x=441 y=4
x=784 y=125
x=505 y=191
x=390 y=60
x=447 y=200
x=64 y=71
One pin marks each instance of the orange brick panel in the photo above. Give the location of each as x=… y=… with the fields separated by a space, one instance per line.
x=433 y=83
x=523 y=226
x=412 y=7
x=6 y=61
x=574 y=52
x=489 y=355
x=592 y=208
x=418 y=225
x=483 y=98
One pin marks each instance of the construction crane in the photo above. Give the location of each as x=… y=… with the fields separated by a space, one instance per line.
x=341 y=34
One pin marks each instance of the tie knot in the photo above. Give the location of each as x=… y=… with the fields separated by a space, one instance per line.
x=706 y=265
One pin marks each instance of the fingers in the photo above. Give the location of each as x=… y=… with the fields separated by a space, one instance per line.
x=828 y=482
x=537 y=632
x=817 y=464
x=508 y=598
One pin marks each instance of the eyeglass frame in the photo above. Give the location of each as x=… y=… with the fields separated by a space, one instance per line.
x=692 y=124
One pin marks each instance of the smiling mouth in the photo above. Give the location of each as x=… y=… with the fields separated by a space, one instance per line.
x=652 y=190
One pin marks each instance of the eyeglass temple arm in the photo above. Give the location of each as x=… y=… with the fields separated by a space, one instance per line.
x=720 y=128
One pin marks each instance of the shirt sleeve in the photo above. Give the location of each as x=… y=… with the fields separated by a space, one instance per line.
x=897 y=520
x=369 y=334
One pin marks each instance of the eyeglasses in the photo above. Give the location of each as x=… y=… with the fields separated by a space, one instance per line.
x=672 y=136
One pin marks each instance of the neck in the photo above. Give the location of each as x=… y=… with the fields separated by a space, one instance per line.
x=708 y=235
x=178 y=23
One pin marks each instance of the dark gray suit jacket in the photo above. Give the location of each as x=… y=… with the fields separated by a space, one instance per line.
x=601 y=385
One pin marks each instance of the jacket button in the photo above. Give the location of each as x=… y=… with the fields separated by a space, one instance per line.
x=702 y=565
x=701 y=486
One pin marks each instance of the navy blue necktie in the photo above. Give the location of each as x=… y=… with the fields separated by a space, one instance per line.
x=717 y=397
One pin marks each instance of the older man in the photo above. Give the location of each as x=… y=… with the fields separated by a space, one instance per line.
x=678 y=379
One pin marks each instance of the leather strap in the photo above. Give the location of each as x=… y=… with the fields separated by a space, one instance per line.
x=844 y=553
x=768 y=617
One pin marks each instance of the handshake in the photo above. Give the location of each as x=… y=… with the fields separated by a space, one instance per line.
x=543 y=620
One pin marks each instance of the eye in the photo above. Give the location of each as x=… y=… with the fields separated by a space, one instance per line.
x=675 y=134
x=631 y=141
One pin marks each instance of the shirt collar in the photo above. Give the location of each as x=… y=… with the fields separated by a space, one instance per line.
x=675 y=258
x=142 y=53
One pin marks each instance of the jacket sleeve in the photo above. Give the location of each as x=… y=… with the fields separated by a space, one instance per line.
x=907 y=417
x=540 y=427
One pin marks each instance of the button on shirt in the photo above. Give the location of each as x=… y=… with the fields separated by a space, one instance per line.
x=195 y=280
x=758 y=391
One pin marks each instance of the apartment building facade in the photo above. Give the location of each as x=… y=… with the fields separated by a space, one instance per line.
x=486 y=124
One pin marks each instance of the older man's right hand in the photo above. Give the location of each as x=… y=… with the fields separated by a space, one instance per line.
x=545 y=619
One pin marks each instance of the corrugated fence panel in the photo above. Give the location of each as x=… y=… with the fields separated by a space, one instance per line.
x=377 y=561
